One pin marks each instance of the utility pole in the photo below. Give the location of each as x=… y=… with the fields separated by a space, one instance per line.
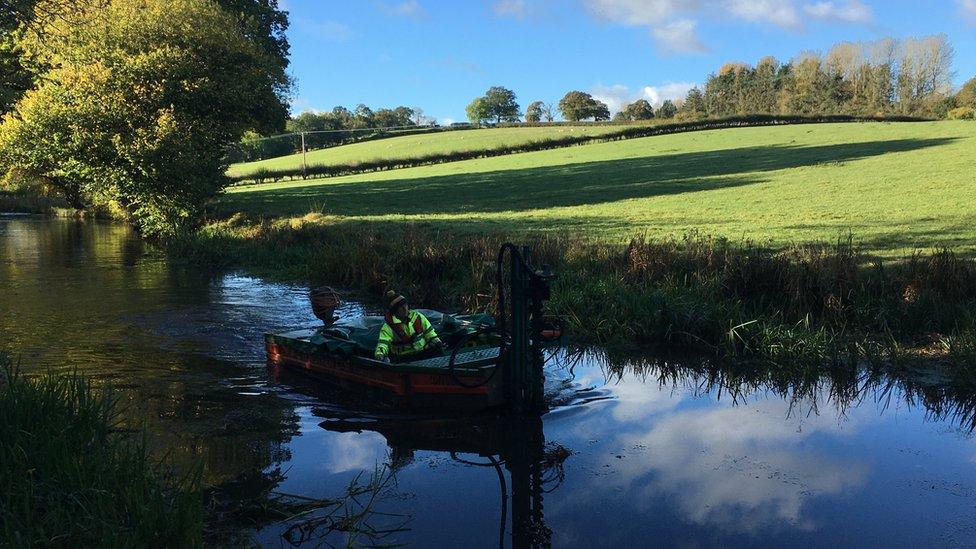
x=304 y=162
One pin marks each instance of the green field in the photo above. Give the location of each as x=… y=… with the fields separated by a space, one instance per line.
x=894 y=186
x=410 y=146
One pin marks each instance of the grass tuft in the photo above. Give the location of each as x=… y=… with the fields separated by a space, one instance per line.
x=69 y=477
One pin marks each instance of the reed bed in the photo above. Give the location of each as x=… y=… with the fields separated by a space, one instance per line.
x=816 y=302
x=70 y=478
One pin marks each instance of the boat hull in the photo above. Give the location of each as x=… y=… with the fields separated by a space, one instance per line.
x=403 y=385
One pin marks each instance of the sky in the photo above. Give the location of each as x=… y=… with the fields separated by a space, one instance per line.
x=440 y=54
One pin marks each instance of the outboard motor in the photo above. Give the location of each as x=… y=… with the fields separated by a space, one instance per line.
x=325 y=301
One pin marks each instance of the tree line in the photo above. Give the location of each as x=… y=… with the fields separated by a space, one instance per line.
x=326 y=129
x=911 y=77
x=499 y=105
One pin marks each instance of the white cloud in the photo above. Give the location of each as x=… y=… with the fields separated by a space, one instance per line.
x=636 y=402
x=619 y=96
x=968 y=9
x=407 y=8
x=616 y=97
x=672 y=90
x=671 y=33
x=678 y=37
x=781 y=13
x=344 y=452
x=702 y=458
x=673 y=23
x=850 y=12
x=510 y=8
x=741 y=469
x=640 y=12
x=447 y=121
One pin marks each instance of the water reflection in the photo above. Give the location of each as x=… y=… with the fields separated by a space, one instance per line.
x=701 y=458
x=720 y=456
x=176 y=343
x=635 y=450
x=515 y=444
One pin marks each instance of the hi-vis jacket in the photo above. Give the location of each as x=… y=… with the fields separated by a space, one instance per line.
x=401 y=339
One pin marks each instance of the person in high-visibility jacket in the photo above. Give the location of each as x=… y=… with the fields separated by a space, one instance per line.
x=406 y=334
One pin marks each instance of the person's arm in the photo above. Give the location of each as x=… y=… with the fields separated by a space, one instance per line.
x=383 y=344
x=430 y=333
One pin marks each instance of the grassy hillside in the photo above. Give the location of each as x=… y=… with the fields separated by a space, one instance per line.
x=410 y=146
x=893 y=186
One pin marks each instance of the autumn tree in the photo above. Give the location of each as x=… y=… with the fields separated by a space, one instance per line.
x=24 y=24
x=638 y=110
x=694 y=105
x=858 y=78
x=577 y=105
x=925 y=72
x=967 y=94
x=533 y=113
x=667 y=109
x=137 y=107
x=547 y=112
x=477 y=110
x=20 y=19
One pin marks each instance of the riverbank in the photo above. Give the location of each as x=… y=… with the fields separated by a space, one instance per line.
x=70 y=477
x=797 y=307
x=33 y=203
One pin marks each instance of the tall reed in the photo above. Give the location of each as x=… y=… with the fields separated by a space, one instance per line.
x=814 y=301
x=69 y=478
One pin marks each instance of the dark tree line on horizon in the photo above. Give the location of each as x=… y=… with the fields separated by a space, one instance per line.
x=911 y=77
x=327 y=129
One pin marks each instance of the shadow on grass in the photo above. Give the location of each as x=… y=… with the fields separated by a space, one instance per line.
x=579 y=184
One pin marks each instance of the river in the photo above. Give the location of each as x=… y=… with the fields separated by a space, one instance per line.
x=635 y=450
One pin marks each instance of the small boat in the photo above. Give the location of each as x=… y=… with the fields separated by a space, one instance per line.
x=477 y=374
x=341 y=353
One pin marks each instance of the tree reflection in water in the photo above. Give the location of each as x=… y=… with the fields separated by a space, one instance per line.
x=806 y=389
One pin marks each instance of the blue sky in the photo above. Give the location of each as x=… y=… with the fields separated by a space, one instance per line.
x=439 y=54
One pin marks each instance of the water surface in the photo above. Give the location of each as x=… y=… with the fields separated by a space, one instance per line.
x=635 y=451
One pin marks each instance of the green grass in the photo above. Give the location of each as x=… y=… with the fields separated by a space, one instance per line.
x=894 y=186
x=411 y=146
x=70 y=478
